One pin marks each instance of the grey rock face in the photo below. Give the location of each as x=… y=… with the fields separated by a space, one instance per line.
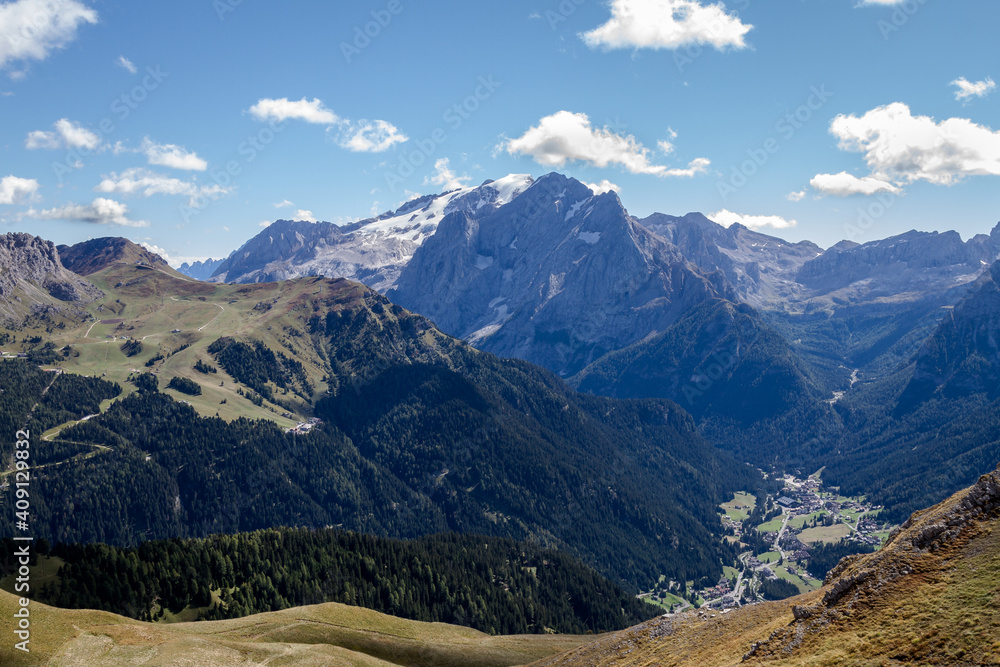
x=915 y=262
x=558 y=277
x=32 y=277
x=762 y=268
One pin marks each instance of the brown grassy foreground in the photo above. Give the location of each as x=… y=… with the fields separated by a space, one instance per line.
x=329 y=634
x=930 y=597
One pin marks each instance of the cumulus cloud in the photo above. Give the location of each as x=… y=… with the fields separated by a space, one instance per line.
x=14 y=190
x=149 y=183
x=360 y=136
x=845 y=185
x=968 y=89
x=67 y=134
x=566 y=136
x=602 y=187
x=668 y=24
x=285 y=109
x=901 y=148
x=126 y=64
x=170 y=155
x=796 y=196
x=32 y=29
x=305 y=215
x=368 y=136
x=284 y=204
x=445 y=178
x=727 y=218
x=99 y=212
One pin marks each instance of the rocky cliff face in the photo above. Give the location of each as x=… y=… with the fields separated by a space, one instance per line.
x=33 y=280
x=915 y=262
x=558 y=277
x=762 y=268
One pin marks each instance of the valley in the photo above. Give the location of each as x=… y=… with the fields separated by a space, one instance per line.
x=777 y=543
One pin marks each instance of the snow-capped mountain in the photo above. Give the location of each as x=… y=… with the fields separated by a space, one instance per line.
x=372 y=251
x=559 y=277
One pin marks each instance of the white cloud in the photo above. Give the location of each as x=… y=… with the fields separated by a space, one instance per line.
x=368 y=136
x=967 y=89
x=285 y=109
x=265 y=223
x=149 y=183
x=361 y=136
x=170 y=155
x=284 y=204
x=445 y=177
x=796 y=196
x=14 y=190
x=697 y=166
x=67 y=134
x=565 y=136
x=901 y=148
x=668 y=24
x=727 y=218
x=665 y=147
x=32 y=29
x=100 y=212
x=845 y=185
x=126 y=64
x=602 y=187
x=307 y=216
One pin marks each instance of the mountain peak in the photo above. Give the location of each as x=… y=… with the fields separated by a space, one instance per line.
x=89 y=257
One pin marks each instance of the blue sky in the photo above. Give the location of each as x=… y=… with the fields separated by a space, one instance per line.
x=188 y=124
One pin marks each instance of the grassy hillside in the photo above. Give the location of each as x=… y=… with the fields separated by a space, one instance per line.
x=330 y=635
x=930 y=597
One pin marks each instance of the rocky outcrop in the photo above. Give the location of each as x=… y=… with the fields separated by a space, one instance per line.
x=33 y=279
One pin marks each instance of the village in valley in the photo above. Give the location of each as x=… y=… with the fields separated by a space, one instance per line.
x=777 y=537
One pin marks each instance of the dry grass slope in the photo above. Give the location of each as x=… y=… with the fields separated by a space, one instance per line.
x=330 y=634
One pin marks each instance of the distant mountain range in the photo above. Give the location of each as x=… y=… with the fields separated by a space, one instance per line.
x=372 y=251
x=547 y=271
